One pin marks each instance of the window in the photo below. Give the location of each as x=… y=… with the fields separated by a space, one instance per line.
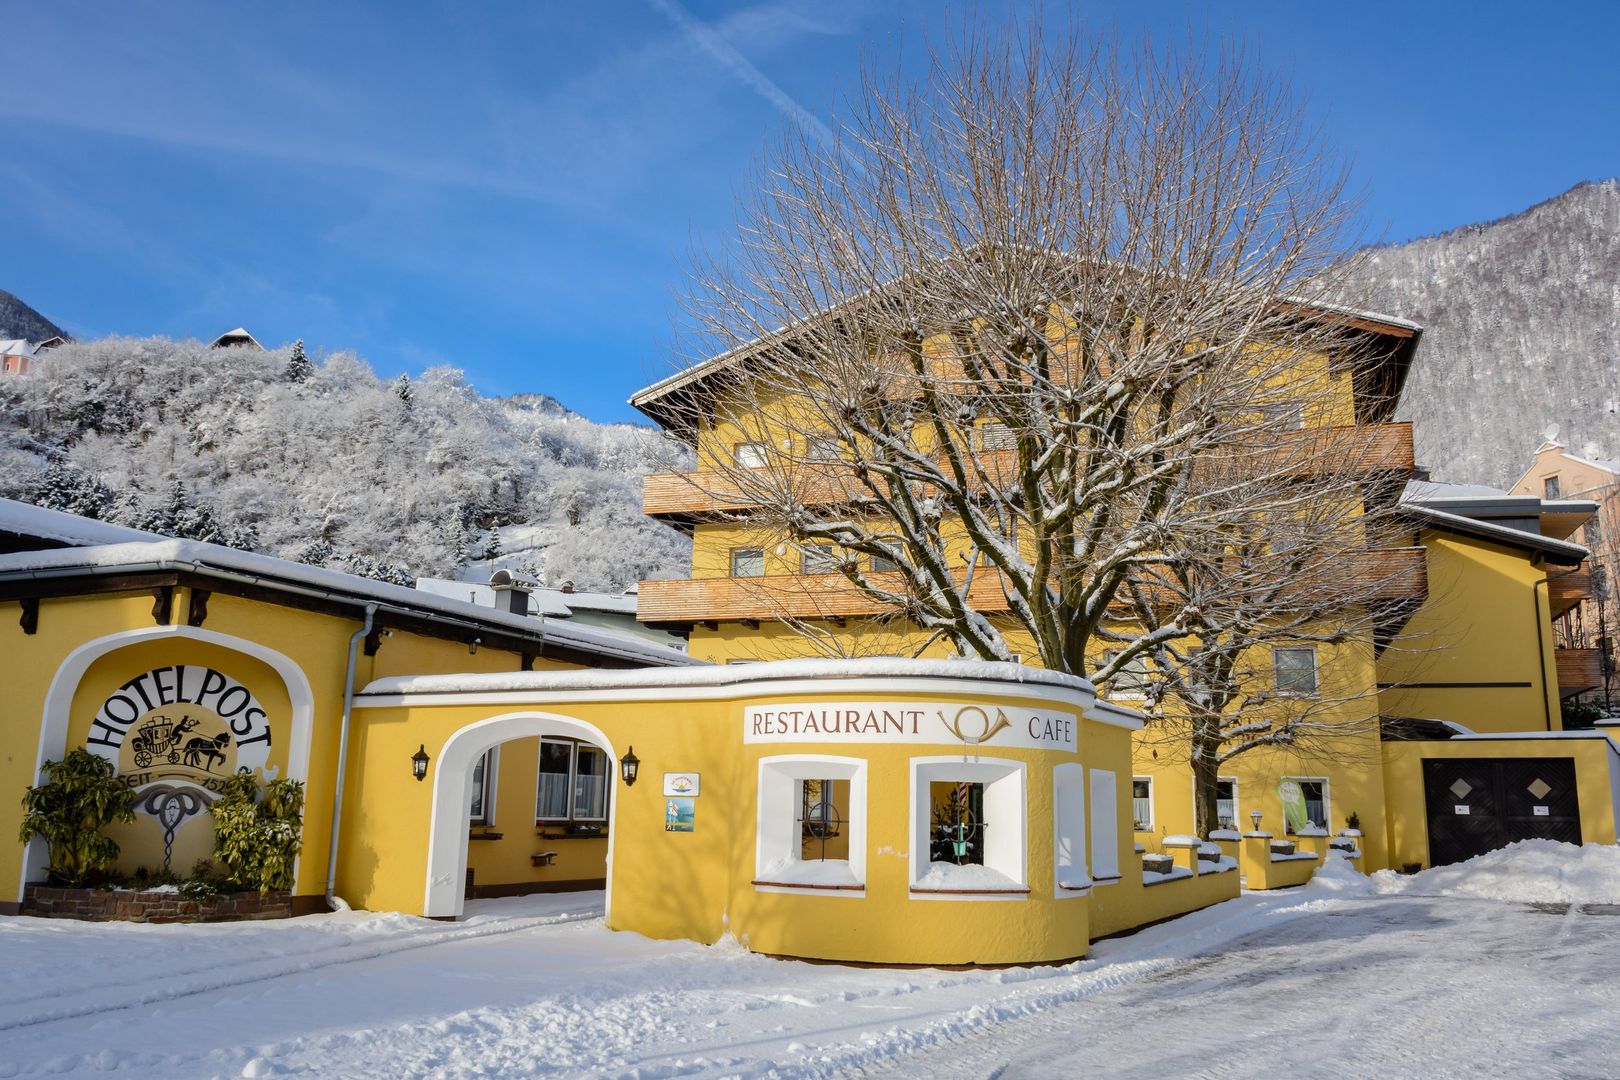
x=573 y=783
x=821 y=448
x=1295 y=671
x=818 y=559
x=1288 y=415
x=968 y=828
x=1142 y=803
x=994 y=436
x=811 y=832
x=749 y=455
x=1069 y=829
x=1104 y=828
x=747 y=562
x=882 y=564
x=1550 y=488
x=481 y=809
x=1226 y=804
x=1316 y=802
x=1131 y=681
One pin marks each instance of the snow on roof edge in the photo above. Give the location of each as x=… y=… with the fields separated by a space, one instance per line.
x=734 y=674
x=184 y=554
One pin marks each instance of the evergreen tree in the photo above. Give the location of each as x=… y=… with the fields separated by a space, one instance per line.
x=492 y=547
x=403 y=391
x=299 y=369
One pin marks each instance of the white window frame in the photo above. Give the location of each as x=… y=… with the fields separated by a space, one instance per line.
x=1316 y=672
x=568 y=787
x=1006 y=814
x=492 y=772
x=775 y=834
x=1104 y=791
x=1143 y=674
x=1237 y=801
x=736 y=551
x=1152 y=817
x=750 y=455
x=882 y=564
x=1070 y=876
x=1327 y=801
x=818 y=559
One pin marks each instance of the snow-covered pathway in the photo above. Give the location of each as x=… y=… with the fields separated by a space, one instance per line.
x=1406 y=986
x=1334 y=979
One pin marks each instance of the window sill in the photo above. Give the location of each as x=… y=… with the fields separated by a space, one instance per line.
x=806 y=886
x=485 y=835
x=549 y=836
x=1098 y=880
x=920 y=891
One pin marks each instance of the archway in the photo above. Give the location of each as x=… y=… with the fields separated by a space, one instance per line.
x=448 y=833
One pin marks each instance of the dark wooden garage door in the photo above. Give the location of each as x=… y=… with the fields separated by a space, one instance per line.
x=1479 y=805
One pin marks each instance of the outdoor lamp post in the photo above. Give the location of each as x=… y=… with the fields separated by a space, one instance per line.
x=1254 y=816
x=419 y=762
x=629 y=765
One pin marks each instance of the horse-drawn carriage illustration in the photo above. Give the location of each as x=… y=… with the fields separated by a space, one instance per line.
x=160 y=737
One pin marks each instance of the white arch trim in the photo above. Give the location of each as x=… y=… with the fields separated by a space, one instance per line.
x=58 y=711
x=452 y=773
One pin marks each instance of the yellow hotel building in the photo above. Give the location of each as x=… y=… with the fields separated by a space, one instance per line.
x=1463 y=679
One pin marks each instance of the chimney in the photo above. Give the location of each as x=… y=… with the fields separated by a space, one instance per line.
x=567 y=587
x=510 y=594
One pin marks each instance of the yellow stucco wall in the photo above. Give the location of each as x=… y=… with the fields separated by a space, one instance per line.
x=1478 y=625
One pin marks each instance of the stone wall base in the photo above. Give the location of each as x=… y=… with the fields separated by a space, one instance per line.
x=152 y=906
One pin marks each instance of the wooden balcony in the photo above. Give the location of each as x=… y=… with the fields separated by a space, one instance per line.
x=1395 y=574
x=1579 y=670
x=1566 y=589
x=683 y=498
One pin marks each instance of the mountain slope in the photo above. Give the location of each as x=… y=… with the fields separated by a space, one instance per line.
x=18 y=320
x=1521 y=322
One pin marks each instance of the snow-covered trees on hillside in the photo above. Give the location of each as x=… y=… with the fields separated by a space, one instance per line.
x=328 y=463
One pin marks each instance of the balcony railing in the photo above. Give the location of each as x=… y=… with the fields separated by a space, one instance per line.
x=1395 y=574
x=1579 y=670
x=693 y=495
x=1565 y=590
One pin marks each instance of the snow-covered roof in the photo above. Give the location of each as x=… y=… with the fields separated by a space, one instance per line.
x=541 y=601
x=1560 y=551
x=739 y=675
x=238 y=336
x=1427 y=490
x=164 y=554
x=19 y=347
x=56 y=527
x=622 y=603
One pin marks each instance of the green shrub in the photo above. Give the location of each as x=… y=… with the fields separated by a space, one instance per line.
x=256 y=839
x=81 y=796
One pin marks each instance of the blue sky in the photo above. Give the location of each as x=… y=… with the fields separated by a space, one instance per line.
x=512 y=187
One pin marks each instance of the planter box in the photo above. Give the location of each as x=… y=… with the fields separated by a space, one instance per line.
x=1158 y=864
x=152 y=905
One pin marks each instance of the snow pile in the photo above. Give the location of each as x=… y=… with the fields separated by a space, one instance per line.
x=1530 y=871
x=824 y=872
x=1341 y=878
x=943 y=875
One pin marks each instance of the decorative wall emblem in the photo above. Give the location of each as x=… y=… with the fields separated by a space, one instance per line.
x=186 y=725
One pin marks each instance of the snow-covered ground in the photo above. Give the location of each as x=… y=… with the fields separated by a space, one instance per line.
x=1500 y=966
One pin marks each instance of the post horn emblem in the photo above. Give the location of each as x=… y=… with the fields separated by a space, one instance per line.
x=974 y=733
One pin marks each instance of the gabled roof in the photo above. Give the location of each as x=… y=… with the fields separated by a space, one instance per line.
x=95 y=549
x=1561 y=552
x=239 y=336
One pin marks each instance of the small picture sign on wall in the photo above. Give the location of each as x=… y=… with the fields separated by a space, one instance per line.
x=679 y=815
x=681 y=784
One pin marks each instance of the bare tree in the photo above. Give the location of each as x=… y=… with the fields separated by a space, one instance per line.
x=1017 y=350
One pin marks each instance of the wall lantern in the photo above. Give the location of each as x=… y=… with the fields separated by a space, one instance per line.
x=629 y=765
x=1254 y=816
x=419 y=762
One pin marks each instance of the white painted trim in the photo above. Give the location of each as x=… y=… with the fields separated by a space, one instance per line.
x=991 y=772
x=821 y=688
x=1069 y=800
x=56 y=717
x=444 y=886
x=1102 y=800
x=788 y=768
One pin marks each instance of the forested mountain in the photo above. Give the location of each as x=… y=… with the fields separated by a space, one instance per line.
x=18 y=320
x=327 y=463
x=1521 y=322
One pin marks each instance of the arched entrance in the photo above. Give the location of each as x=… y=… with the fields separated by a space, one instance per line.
x=448 y=839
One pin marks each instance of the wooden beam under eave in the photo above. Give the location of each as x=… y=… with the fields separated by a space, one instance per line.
x=30 y=615
x=163 y=605
x=197 y=607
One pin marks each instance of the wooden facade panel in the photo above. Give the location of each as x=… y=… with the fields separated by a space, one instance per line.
x=1366 y=449
x=1390 y=574
x=1579 y=669
x=1565 y=590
